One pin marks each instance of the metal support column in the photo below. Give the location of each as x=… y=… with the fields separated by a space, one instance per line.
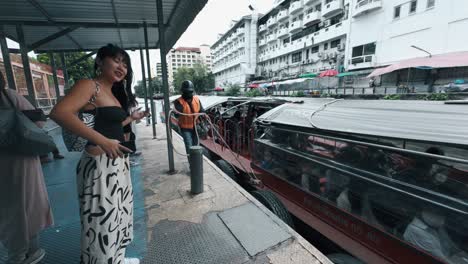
x=150 y=88
x=65 y=71
x=54 y=74
x=142 y=58
x=26 y=67
x=163 y=51
x=6 y=61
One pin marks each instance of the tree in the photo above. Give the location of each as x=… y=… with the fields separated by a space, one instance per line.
x=81 y=70
x=233 y=90
x=156 y=84
x=202 y=80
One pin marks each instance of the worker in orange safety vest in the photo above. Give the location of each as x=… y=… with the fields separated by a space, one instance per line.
x=187 y=103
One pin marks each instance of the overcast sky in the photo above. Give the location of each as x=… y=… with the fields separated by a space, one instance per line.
x=213 y=19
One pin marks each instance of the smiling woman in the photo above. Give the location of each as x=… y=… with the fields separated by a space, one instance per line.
x=103 y=175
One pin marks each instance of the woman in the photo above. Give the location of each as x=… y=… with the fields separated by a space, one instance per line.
x=24 y=203
x=103 y=176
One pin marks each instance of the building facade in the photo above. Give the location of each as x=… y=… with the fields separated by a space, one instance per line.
x=235 y=53
x=383 y=32
x=302 y=36
x=186 y=57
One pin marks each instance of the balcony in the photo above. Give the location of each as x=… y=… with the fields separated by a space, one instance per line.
x=366 y=6
x=295 y=7
x=271 y=37
x=312 y=18
x=271 y=22
x=310 y=2
x=262 y=28
x=295 y=26
x=282 y=15
x=283 y=32
x=332 y=8
x=262 y=42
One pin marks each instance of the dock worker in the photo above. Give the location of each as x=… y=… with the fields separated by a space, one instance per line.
x=187 y=103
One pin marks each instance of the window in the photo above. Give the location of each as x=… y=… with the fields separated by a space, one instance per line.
x=396 y=14
x=363 y=53
x=335 y=43
x=318 y=7
x=296 y=57
x=413 y=6
x=325 y=46
x=430 y=3
x=314 y=49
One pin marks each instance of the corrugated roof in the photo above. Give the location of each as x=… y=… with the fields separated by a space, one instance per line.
x=418 y=120
x=99 y=22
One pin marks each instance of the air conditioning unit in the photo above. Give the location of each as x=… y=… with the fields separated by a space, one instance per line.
x=320 y=54
x=326 y=23
x=332 y=55
x=341 y=46
x=321 y=24
x=304 y=62
x=324 y=57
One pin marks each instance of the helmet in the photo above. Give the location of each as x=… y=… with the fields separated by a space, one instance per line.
x=186 y=87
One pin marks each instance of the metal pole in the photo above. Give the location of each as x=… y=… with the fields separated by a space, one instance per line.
x=26 y=67
x=6 y=60
x=150 y=88
x=142 y=58
x=162 y=49
x=196 y=169
x=54 y=74
x=65 y=71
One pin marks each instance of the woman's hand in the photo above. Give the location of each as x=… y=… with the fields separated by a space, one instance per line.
x=137 y=115
x=113 y=149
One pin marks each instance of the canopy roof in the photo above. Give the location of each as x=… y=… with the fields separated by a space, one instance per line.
x=90 y=24
x=454 y=59
x=417 y=120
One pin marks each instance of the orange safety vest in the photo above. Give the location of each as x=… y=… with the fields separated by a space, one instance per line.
x=187 y=122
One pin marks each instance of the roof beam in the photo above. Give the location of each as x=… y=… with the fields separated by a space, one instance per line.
x=79 y=24
x=132 y=47
x=51 y=20
x=73 y=63
x=114 y=12
x=57 y=35
x=176 y=6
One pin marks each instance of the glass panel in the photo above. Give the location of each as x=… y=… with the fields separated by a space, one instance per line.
x=358 y=51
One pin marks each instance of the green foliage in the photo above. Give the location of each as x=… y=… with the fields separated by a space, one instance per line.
x=392 y=97
x=81 y=70
x=436 y=97
x=199 y=75
x=325 y=95
x=233 y=90
x=299 y=94
x=253 y=93
x=156 y=84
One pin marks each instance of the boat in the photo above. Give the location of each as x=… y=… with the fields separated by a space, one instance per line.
x=387 y=181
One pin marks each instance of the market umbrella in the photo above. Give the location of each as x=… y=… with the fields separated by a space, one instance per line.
x=328 y=73
x=253 y=85
x=218 y=89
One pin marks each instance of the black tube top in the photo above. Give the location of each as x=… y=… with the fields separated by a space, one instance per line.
x=108 y=121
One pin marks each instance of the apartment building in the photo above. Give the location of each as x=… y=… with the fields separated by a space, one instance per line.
x=187 y=57
x=235 y=52
x=302 y=36
x=383 y=32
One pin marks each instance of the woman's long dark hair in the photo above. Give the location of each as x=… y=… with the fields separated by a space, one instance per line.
x=122 y=90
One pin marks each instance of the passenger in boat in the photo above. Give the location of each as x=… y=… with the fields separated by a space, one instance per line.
x=189 y=104
x=427 y=231
x=24 y=204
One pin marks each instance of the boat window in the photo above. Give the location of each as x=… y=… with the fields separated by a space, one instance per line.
x=364 y=182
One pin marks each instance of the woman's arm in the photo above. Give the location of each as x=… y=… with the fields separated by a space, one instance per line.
x=134 y=116
x=64 y=113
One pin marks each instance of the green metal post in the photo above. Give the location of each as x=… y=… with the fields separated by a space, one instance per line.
x=26 y=66
x=163 y=51
x=6 y=61
x=151 y=92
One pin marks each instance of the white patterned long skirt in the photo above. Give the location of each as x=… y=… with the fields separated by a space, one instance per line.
x=106 y=208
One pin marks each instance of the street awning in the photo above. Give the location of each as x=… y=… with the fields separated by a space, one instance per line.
x=353 y=73
x=292 y=81
x=328 y=73
x=448 y=60
x=51 y=25
x=308 y=75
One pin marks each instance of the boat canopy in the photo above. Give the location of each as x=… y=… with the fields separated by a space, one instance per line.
x=431 y=121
